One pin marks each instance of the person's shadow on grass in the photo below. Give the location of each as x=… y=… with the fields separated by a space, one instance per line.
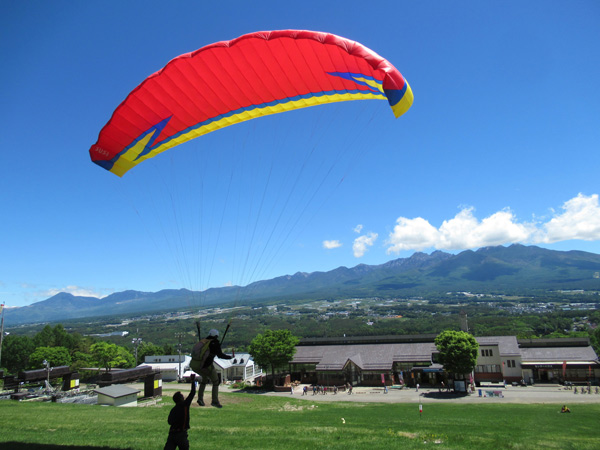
x=32 y=446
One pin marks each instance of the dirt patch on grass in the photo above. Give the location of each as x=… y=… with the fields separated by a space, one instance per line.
x=290 y=407
x=407 y=434
x=225 y=400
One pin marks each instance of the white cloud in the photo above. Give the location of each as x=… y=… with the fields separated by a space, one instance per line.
x=74 y=290
x=331 y=244
x=412 y=234
x=362 y=243
x=580 y=219
x=358 y=228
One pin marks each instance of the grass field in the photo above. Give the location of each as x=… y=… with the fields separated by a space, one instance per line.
x=250 y=421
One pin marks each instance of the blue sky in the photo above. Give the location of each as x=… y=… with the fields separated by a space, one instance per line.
x=501 y=145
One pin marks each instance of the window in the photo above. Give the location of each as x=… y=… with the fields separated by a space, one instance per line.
x=487 y=352
x=488 y=368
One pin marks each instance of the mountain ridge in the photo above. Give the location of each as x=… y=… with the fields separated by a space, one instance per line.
x=512 y=269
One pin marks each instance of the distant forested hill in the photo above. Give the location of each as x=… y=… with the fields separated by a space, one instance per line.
x=516 y=269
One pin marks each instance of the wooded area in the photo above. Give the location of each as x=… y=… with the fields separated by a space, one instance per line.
x=73 y=344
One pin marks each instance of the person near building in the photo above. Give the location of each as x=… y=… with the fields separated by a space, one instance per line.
x=203 y=356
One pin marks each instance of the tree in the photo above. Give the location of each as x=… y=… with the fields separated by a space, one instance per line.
x=168 y=349
x=15 y=352
x=124 y=358
x=104 y=354
x=111 y=355
x=80 y=360
x=148 y=349
x=45 y=338
x=57 y=337
x=56 y=356
x=62 y=338
x=595 y=339
x=273 y=348
x=458 y=351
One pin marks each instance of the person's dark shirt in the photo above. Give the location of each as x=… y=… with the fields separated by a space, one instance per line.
x=214 y=349
x=179 y=417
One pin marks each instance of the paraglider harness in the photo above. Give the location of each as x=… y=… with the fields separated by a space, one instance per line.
x=201 y=352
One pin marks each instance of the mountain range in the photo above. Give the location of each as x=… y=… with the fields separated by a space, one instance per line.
x=517 y=270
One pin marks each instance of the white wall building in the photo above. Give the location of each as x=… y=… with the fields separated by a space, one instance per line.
x=171 y=367
x=499 y=359
x=117 y=395
x=240 y=368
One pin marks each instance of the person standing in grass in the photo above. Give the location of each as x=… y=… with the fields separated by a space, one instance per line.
x=203 y=355
x=179 y=419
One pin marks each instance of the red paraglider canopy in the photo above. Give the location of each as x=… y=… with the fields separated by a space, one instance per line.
x=232 y=81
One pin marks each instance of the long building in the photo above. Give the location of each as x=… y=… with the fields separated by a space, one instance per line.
x=411 y=360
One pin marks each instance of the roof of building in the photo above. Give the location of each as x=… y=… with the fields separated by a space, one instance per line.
x=555 y=342
x=116 y=391
x=239 y=360
x=327 y=355
x=573 y=355
x=366 y=356
x=163 y=367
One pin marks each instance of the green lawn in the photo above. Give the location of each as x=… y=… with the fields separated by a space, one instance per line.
x=263 y=422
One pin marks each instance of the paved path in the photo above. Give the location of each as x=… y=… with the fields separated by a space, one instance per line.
x=512 y=394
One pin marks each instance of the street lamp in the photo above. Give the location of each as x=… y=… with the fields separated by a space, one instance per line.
x=136 y=341
x=47 y=364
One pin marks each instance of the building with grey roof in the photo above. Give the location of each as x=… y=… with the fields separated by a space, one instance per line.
x=117 y=395
x=570 y=359
x=371 y=361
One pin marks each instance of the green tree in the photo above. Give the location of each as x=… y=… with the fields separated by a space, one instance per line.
x=56 y=356
x=273 y=348
x=45 y=338
x=15 y=352
x=169 y=349
x=124 y=358
x=104 y=354
x=62 y=338
x=595 y=339
x=148 y=349
x=109 y=355
x=81 y=359
x=457 y=351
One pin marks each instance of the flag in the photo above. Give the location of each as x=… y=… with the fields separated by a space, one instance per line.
x=564 y=368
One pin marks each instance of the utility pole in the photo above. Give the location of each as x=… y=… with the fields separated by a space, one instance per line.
x=1 y=331
x=136 y=341
x=179 y=336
